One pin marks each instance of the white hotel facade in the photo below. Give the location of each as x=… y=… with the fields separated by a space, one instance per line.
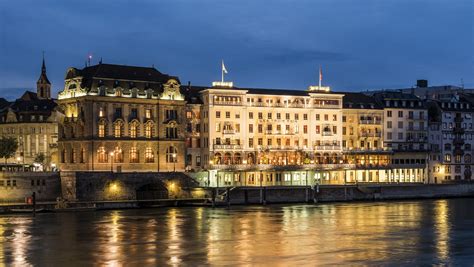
x=266 y=137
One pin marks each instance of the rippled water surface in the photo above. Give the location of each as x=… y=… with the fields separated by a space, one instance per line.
x=399 y=233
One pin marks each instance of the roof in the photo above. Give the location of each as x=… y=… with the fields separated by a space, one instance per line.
x=359 y=101
x=28 y=104
x=122 y=72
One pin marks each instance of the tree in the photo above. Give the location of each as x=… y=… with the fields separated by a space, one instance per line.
x=8 y=147
x=40 y=158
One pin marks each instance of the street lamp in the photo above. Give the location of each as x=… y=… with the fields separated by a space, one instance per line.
x=112 y=161
x=18 y=159
x=174 y=162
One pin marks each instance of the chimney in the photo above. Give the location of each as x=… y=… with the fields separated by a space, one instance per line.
x=422 y=83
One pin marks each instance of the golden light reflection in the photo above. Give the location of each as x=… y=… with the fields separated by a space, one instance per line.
x=173 y=250
x=442 y=229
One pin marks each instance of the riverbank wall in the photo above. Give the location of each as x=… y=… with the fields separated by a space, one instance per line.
x=306 y=194
x=17 y=186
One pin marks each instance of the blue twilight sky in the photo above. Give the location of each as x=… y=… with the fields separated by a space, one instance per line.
x=361 y=44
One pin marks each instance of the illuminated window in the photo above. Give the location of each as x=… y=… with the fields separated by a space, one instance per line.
x=118 y=155
x=101 y=112
x=149 y=157
x=447 y=157
x=134 y=155
x=118 y=129
x=148 y=113
x=148 y=130
x=101 y=129
x=133 y=130
x=171 y=154
x=101 y=155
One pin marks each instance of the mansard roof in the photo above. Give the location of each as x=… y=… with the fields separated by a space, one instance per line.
x=359 y=101
x=120 y=72
x=28 y=104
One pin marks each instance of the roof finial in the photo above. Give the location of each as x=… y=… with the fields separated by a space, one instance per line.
x=100 y=61
x=43 y=67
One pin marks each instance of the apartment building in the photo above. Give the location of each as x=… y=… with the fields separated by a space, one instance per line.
x=33 y=120
x=405 y=133
x=451 y=139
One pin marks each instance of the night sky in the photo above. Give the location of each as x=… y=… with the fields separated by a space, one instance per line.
x=363 y=44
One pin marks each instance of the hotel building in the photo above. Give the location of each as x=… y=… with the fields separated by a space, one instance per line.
x=121 y=118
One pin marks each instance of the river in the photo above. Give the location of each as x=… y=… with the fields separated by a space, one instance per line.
x=376 y=233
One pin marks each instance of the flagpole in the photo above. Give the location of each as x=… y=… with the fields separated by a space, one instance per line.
x=320 y=77
x=222 y=71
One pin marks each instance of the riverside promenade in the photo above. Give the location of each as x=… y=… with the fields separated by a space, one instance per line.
x=226 y=196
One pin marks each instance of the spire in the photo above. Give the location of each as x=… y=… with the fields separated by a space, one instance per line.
x=43 y=67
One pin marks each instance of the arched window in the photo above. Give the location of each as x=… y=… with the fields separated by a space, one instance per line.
x=148 y=130
x=134 y=155
x=133 y=129
x=149 y=156
x=447 y=157
x=467 y=158
x=118 y=129
x=458 y=158
x=101 y=155
x=171 y=131
x=217 y=158
x=171 y=154
x=227 y=158
x=118 y=155
x=101 y=129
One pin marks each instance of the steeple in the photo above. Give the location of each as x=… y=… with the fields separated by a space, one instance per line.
x=43 y=86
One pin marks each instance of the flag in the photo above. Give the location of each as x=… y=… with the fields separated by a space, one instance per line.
x=223 y=67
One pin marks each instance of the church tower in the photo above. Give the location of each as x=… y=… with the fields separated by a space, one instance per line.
x=43 y=86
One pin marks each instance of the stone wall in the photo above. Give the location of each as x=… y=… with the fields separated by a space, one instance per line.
x=99 y=186
x=16 y=186
x=258 y=195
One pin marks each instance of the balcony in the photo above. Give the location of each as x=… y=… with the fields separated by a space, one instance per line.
x=417 y=139
x=327 y=147
x=417 y=128
x=326 y=133
x=226 y=147
x=370 y=121
x=385 y=150
x=228 y=131
x=227 y=103
x=273 y=167
x=371 y=134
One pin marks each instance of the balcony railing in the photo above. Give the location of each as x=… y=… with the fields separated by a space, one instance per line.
x=371 y=134
x=290 y=167
x=370 y=121
x=230 y=147
x=228 y=131
x=227 y=103
x=326 y=133
x=327 y=147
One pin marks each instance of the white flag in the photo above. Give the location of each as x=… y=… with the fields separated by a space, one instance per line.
x=223 y=67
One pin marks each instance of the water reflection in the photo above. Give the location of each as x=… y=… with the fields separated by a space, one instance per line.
x=411 y=232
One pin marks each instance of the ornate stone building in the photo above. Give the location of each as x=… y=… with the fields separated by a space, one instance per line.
x=121 y=118
x=33 y=120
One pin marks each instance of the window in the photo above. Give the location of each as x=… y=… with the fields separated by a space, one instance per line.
x=305 y=129
x=148 y=113
x=171 y=154
x=227 y=115
x=447 y=157
x=133 y=113
x=101 y=129
x=389 y=124
x=134 y=155
x=148 y=130
x=250 y=115
x=118 y=155
x=118 y=113
x=171 y=131
x=400 y=125
x=149 y=157
x=83 y=155
x=218 y=114
x=101 y=155
x=133 y=130
x=334 y=117
x=317 y=117
x=389 y=113
x=400 y=113
x=250 y=128
x=250 y=142
x=118 y=129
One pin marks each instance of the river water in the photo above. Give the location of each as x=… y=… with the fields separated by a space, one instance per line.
x=375 y=233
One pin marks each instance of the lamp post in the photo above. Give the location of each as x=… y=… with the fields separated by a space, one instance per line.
x=174 y=162
x=112 y=161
